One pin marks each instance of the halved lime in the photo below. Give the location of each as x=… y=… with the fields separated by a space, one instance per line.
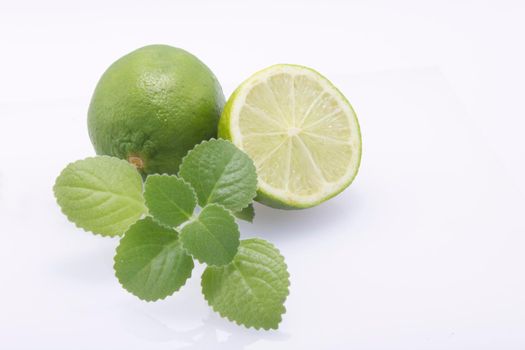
x=300 y=131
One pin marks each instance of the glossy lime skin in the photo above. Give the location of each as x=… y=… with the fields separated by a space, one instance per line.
x=154 y=104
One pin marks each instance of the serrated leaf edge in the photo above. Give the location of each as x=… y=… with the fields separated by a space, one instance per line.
x=285 y=297
x=146 y=211
x=196 y=218
x=185 y=182
x=143 y=299
x=236 y=217
x=213 y=139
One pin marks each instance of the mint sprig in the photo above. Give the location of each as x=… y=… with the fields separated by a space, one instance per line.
x=212 y=237
x=101 y=194
x=151 y=262
x=245 y=281
x=170 y=200
x=251 y=290
x=220 y=173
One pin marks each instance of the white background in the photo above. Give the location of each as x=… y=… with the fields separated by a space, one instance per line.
x=426 y=250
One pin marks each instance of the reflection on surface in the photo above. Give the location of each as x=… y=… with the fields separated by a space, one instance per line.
x=212 y=332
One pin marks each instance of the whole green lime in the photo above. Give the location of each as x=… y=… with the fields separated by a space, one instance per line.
x=152 y=106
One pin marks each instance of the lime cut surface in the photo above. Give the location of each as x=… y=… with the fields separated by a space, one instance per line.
x=300 y=131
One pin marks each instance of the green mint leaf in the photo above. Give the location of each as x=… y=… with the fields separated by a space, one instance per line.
x=220 y=173
x=151 y=262
x=170 y=200
x=246 y=214
x=213 y=237
x=101 y=194
x=250 y=290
